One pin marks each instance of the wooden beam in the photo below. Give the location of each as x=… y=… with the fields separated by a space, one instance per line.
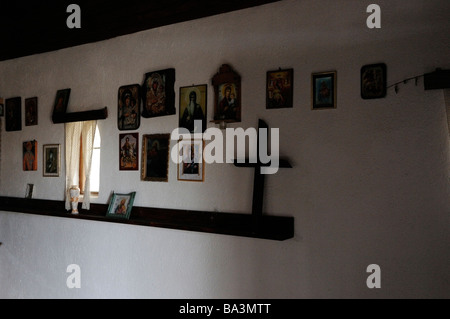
x=40 y=26
x=99 y=114
x=259 y=180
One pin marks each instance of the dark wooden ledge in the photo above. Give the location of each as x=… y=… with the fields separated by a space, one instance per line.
x=91 y=115
x=246 y=225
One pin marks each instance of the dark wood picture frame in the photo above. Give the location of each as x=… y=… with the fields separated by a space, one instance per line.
x=61 y=102
x=373 y=81
x=129 y=152
x=155 y=157
x=120 y=205
x=158 y=93
x=324 y=85
x=51 y=164
x=129 y=107
x=192 y=107
x=13 y=114
x=29 y=159
x=227 y=95
x=279 y=89
x=31 y=111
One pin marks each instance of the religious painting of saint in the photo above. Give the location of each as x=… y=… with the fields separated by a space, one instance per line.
x=30 y=156
x=279 y=89
x=129 y=107
x=193 y=108
x=155 y=157
x=13 y=114
x=324 y=90
x=158 y=94
x=227 y=91
x=129 y=152
x=52 y=160
x=373 y=81
x=228 y=104
x=120 y=205
x=61 y=102
x=31 y=115
x=191 y=167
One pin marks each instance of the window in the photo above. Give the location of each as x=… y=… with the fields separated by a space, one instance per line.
x=78 y=133
x=95 y=165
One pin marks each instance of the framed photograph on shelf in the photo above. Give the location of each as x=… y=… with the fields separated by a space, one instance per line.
x=279 y=89
x=155 y=157
x=13 y=115
x=193 y=101
x=29 y=156
x=373 y=81
x=31 y=111
x=29 y=191
x=61 y=102
x=227 y=95
x=324 y=90
x=120 y=205
x=191 y=167
x=129 y=152
x=52 y=160
x=158 y=93
x=129 y=107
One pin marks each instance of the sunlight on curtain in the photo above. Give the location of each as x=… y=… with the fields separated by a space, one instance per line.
x=74 y=131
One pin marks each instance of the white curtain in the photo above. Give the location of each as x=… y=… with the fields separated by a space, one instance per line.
x=75 y=132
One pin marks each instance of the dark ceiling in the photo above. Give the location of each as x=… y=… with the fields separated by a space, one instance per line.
x=40 y=26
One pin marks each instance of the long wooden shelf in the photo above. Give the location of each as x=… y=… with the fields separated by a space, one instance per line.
x=245 y=225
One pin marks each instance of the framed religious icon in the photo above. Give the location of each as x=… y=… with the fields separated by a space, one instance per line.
x=13 y=114
x=61 y=102
x=31 y=111
x=324 y=90
x=155 y=157
x=129 y=107
x=279 y=89
x=120 y=205
x=52 y=160
x=191 y=167
x=129 y=152
x=158 y=93
x=227 y=95
x=29 y=161
x=193 y=108
x=373 y=81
